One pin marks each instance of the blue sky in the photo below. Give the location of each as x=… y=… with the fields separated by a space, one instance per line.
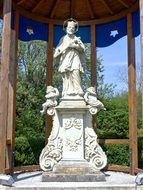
x=115 y=62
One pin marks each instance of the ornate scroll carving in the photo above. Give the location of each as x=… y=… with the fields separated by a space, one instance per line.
x=52 y=153
x=73 y=145
x=50 y=156
x=93 y=152
x=73 y=133
x=73 y=122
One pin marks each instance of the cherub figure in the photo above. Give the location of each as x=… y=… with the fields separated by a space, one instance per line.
x=91 y=99
x=51 y=96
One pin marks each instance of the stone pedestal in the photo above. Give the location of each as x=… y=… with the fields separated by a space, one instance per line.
x=72 y=152
x=73 y=171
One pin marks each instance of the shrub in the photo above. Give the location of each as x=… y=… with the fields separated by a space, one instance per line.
x=117 y=154
x=27 y=151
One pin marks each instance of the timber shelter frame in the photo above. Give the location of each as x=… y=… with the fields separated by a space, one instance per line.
x=9 y=73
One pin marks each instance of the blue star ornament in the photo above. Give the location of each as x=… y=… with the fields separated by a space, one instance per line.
x=32 y=30
x=109 y=33
x=114 y=33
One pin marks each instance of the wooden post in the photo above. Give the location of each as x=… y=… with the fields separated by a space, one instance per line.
x=49 y=74
x=141 y=40
x=93 y=63
x=50 y=55
x=93 y=55
x=5 y=61
x=12 y=95
x=132 y=98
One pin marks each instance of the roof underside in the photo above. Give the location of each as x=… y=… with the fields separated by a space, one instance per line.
x=81 y=10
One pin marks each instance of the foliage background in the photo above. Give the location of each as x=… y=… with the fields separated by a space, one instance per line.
x=30 y=125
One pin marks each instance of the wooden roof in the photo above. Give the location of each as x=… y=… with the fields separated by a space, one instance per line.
x=82 y=10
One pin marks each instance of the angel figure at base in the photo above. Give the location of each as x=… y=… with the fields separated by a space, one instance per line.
x=71 y=54
x=51 y=100
x=91 y=99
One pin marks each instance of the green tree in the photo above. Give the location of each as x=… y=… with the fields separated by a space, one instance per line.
x=113 y=123
x=31 y=88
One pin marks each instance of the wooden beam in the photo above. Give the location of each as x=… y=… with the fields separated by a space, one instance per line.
x=93 y=63
x=8 y=141
x=50 y=55
x=30 y=168
x=141 y=42
x=40 y=18
x=90 y=9
x=12 y=93
x=1 y=6
x=37 y=6
x=107 y=6
x=93 y=55
x=72 y=8
x=110 y=167
x=9 y=150
x=118 y=168
x=4 y=82
x=113 y=141
x=124 y=3
x=20 y=2
x=49 y=75
x=132 y=97
x=52 y=12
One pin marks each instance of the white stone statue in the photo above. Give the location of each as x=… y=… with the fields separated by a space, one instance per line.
x=51 y=96
x=72 y=151
x=71 y=54
x=91 y=99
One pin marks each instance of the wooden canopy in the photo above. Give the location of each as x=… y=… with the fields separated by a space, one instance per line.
x=52 y=12
x=82 y=10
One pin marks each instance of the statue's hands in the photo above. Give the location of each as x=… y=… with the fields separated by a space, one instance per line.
x=74 y=44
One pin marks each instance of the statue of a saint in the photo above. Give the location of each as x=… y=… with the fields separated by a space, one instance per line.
x=71 y=54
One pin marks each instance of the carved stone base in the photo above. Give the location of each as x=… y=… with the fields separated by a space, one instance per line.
x=74 y=167
x=52 y=177
x=72 y=101
x=73 y=171
x=72 y=152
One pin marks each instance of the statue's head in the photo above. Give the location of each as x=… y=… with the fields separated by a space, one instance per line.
x=50 y=89
x=70 y=26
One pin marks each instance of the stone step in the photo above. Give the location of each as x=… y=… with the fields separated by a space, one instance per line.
x=73 y=186
x=33 y=181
